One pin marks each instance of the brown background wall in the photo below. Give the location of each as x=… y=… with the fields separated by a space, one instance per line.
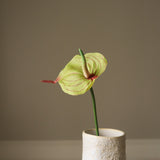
x=39 y=37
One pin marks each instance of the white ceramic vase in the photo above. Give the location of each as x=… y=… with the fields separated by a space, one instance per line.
x=110 y=145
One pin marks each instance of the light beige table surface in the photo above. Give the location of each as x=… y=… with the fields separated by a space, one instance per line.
x=142 y=149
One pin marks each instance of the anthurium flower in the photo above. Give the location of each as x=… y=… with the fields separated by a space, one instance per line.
x=79 y=74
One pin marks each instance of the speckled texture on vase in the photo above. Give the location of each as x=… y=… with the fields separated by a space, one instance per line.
x=103 y=147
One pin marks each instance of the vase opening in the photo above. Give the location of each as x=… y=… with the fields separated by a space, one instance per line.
x=106 y=132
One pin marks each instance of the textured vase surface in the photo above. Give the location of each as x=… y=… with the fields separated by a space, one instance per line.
x=109 y=145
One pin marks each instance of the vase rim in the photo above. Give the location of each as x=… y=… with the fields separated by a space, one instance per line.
x=119 y=133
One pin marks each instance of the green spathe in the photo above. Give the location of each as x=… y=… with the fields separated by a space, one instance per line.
x=72 y=79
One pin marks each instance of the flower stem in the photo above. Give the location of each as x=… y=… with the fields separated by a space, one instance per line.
x=84 y=66
x=86 y=73
x=82 y=55
x=94 y=110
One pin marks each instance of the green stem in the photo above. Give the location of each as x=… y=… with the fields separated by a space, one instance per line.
x=82 y=55
x=84 y=66
x=94 y=110
x=91 y=90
